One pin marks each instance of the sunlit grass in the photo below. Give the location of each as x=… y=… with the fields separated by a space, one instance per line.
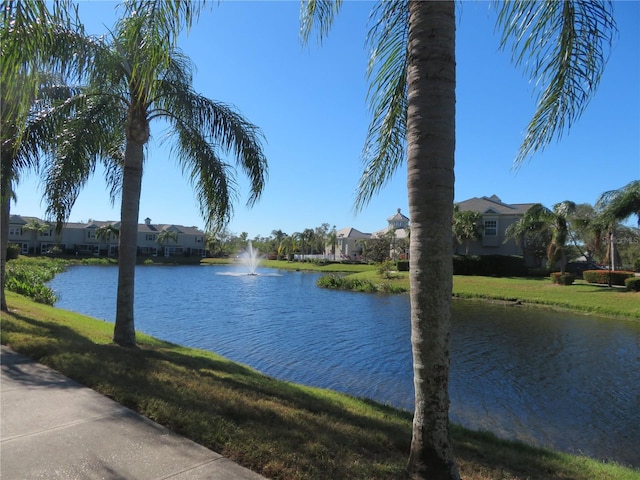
x=580 y=296
x=280 y=429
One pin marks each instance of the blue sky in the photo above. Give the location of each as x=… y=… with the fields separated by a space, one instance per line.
x=310 y=102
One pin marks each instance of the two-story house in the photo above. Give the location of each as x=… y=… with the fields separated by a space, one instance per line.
x=496 y=218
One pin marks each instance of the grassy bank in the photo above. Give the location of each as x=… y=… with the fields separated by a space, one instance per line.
x=581 y=296
x=280 y=429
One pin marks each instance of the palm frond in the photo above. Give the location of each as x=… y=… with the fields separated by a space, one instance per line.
x=563 y=47
x=211 y=178
x=220 y=125
x=90 y=130
x=384 y=147
x=319 y=15
x=622 y=203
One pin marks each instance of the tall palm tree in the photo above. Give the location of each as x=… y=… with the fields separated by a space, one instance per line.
x=37 y=42
x=412 y=99
x=137 y=76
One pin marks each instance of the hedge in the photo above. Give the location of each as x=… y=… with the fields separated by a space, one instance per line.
x=617 y=277
x=633 y=284
x=562 y=278
x=497 y=265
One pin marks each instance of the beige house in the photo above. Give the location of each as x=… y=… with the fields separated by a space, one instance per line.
x=496 y=218
x=348 y=244
x=100 y=238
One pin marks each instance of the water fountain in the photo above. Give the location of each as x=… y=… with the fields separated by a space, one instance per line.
x=250 y=258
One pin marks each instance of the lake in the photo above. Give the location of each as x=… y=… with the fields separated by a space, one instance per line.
x=563 y=380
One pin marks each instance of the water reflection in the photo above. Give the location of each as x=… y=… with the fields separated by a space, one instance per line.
x=562 y=380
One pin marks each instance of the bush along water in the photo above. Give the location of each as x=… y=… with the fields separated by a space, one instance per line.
x=357 y=285
x=29 y=278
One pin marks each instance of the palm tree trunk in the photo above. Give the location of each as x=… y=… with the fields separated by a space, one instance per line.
x=5 y=205
x=430 y=182
x=124 y=332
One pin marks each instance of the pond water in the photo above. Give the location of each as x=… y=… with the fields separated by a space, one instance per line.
x=566 y=381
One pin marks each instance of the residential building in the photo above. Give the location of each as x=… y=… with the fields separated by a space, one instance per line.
x=349 y=243
x=100 y=238
x=496 y=218
x=398 y=229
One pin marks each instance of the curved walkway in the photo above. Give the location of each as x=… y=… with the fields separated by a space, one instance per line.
x=54 y=428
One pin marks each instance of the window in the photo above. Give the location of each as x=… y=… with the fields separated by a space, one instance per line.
x=490 y=228
x=15 y=231
x=91 y=234
x=150 y=237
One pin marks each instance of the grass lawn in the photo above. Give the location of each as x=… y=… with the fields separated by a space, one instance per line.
x=282 y=430
x=581 y=296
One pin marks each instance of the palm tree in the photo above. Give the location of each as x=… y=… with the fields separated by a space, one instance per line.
x=618 y=205
x=278 y=236
x=412 y=99
x=165 y=235
x=108 y=231
x=553 y=223
x=139 y=76
x=332 y=239
x=37 y=41
x=467 y=226
x=37 y=228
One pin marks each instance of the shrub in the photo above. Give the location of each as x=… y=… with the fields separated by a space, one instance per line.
x=633 y=284
x=617 y=277
x=387 y=268
x=13 y=250
x=403 y=266
x=29 y=278
x=636 y=265
x=539 y=272
x=498 y=265
x=562 y=278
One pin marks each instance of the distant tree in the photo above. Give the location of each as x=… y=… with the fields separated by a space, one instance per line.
x=165 y=235
x=106 y=232
x=467 y=226
x=378 y=249
x=553 y=223
x=615 y=206
x=332 y=240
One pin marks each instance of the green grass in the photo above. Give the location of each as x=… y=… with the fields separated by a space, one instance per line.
x=282 y=430
x=295 y=265
x=581 y=296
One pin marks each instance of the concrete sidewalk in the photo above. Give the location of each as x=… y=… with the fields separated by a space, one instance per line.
x=54 y=428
